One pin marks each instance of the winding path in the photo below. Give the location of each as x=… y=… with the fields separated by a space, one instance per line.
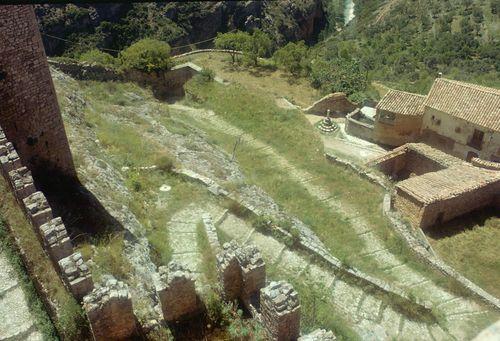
x=460 y=313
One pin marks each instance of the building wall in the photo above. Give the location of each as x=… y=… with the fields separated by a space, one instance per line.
x=409 y=163
x=29 y=112
x=459 y=205
x=452 y=134
x=402 y=129
x=409 y=207
x=357 y=128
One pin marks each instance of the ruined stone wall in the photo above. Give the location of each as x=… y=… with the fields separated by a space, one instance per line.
x=50 y=230
x=403 y=129
x=337 y=103
x=460 y=204
x=452 y=135
x=358 y=128
x=29 y=112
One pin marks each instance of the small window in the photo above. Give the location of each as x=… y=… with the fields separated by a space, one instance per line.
x=458 y=130
x=3 y=75
x=477 y=139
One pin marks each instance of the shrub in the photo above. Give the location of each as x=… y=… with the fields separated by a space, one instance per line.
x=147 y=55
x=262 y=223
x=165 y=163
x=207 y=75
x=292 y=57
x=98 y=57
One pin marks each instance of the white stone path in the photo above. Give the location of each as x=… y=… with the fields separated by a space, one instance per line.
x=460 y=313
x=16 y=320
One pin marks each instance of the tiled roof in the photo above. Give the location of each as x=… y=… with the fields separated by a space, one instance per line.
x=448 y=183
x=403 y=103
x=477 y=104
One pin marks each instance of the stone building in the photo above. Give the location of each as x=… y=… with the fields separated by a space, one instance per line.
x=398 y=119
x=463 y=119
x=29 y=112
x=435 y=187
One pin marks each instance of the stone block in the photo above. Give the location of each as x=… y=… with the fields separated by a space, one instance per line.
x=229 y=272
x=76 y=275
x=109 y=311
x=56 y=240
x=253 y=270
x=9 y=159
x=177 y=293
x=3 y=138
x=22 y=182
x=280 y=310
x=211 y=232
x=37 y=209
x=319 y=335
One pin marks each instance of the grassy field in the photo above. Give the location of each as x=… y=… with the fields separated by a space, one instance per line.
x=471 y=247
x=267 y=78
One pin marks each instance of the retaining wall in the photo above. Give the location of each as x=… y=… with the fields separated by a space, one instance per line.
x=358 y=128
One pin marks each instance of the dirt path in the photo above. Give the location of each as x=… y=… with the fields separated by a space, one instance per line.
x=460 y=313
x=16 y=320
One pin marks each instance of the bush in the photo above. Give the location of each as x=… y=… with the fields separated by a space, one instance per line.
x=147 y=55
x=207 y=75
x=165 y=163
x=292 y=57
x=98 y=57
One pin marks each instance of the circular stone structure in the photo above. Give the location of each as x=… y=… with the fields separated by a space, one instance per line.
x=326 y=125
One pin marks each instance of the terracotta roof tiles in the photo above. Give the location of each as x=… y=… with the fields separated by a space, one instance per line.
x=403 y=103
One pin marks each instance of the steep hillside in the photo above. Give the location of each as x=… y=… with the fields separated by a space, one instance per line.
x=407 y=43
x=180 y=23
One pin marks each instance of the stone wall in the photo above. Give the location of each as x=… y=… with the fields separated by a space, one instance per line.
x=109 y=311
x=357 y=128
x=338 y=104
x=177 y=293
x=50 y=230
x=401 y=130
x=280 y=309
x=29 y=112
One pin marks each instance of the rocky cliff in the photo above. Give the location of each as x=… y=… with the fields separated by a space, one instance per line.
x=118 y=25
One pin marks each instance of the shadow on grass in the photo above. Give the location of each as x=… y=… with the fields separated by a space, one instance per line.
x=462 y=223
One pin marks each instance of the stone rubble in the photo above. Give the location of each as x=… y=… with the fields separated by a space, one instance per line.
x=211 y=232
x=177 y=293
x=280 y=309
x=319 y=335
x=56 y=240
x=109 y=311
x=76 y=275
x=253 y=270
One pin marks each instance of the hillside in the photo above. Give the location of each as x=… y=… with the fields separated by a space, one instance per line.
x=407 y=43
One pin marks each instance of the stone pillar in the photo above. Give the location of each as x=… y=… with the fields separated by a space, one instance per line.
x=280 y=310
x=56 y=240
x=109 y=311
x=253 y=271
x=177 y=293
x=30 y=115
x=9 y=159
x=76 y=275
x=22 y=183
x=37 y=209
x=229 y=271
x=319 y=335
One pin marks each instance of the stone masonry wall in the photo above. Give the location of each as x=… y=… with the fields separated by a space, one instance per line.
x=109 y=311
x=29 y=112
x=280 y=311
x=337 y=103
x=50 y=230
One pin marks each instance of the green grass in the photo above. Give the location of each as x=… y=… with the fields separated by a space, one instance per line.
x=70 y=321
x=208 y=262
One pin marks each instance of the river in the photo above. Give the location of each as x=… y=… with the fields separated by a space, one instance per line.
x=348 y=11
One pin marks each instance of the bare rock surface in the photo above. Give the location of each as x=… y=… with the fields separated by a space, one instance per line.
x=16 y=320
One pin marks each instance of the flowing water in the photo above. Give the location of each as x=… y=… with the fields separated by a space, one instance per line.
x=348 y=11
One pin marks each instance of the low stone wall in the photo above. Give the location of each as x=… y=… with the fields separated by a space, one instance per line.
x=205 y=51
x=485 y=164
x=109 y=311
x=50 y=230
x=338 y=104
x=280 y=311
x=177 y=293
x=357 y=128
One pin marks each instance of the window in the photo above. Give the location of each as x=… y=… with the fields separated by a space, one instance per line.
x=477 y=139
x=3 y=75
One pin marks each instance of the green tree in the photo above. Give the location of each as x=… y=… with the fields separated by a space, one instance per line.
x=147 y=55
x=233 y=41
x=259 y=45
x=292 y=57
x=338 y=75
x=96 y=56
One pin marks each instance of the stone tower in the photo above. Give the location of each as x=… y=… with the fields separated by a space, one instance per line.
x=29 y=112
